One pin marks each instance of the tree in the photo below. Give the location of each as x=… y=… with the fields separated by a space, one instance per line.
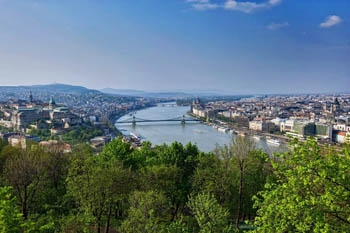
x=178 y=226
x=185 y=159
x=165 y=179
x=242 y=161
x=119 y=150
x=10 y=217
x=148 y=213
x=212 y=176
x=24 y=171
x=239 y=150
x=210 y=216
x=98 y=186
x=311 y=192
x=3 y=143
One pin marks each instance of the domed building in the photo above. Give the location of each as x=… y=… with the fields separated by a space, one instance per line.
x=52 y=103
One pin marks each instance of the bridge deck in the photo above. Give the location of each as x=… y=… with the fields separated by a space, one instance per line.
x=140 y=121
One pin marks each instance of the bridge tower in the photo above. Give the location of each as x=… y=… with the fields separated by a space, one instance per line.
x=133 y=120
x=183 y=120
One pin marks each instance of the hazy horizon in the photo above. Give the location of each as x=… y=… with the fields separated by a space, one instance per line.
x=243 y=47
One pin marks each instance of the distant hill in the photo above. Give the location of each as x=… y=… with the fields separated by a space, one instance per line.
x=52 y=88
x=128 y=92
x=62 y=88
x=159 y=94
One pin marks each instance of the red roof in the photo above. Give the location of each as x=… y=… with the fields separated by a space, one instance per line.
x=342 y=134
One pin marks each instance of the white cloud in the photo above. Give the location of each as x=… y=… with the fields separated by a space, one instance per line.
x=197 y=1
x=276 y=26
x=274 y=2
x=205 y=6
x=331 y=21
x=246 y=7
x=234 y=5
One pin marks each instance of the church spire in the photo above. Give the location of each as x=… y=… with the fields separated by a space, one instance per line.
x=31 y=97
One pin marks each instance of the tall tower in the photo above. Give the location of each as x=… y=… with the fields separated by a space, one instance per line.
x=52 y=103
x=31 y=97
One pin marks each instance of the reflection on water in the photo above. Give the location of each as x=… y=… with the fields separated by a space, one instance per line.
x=205 y=137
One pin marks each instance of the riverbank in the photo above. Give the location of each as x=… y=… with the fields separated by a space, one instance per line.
x=242 y=131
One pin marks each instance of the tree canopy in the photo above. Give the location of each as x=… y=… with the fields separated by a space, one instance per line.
x=175 y=189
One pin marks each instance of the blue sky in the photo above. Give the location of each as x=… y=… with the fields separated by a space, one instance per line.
x=248 y=46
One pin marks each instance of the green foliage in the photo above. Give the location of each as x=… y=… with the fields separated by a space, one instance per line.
x=5 y=129
x=76 y=223
x=185 y=159
x=24 y=171
x=311 y=192
x=233 y=172
x=2 y=144
x=82 y=134
x=213 y=176
x=98 y=186
x=178 y=226
x=165 y=179
x=148 y=213
x=210 y=216
x=44 y=134
x=174 y=189
x=42 y=224
x=10 y=217
x=121 y=151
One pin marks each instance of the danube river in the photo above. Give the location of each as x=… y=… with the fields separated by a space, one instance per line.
x=204 y=136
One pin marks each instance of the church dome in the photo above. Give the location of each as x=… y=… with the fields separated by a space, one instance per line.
x=52 y=101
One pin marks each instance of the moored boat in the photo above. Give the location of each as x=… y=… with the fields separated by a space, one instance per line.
x=273 y=142
x=135 y=136
x=223 y=130
x=256 y=137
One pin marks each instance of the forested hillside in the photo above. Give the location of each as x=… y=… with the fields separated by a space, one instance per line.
x=174 y=189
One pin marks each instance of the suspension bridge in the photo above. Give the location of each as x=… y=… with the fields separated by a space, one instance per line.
x=133 y=120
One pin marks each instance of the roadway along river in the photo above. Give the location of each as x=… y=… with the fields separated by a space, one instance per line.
x=205 y=137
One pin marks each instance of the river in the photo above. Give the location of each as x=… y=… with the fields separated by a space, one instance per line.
x=204 y=136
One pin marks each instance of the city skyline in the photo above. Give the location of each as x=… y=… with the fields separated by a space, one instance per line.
x=243 y=47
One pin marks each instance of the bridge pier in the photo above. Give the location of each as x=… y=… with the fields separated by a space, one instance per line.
x=134 y=120
x=183 y=120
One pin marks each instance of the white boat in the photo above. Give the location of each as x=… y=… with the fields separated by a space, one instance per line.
x=197 y=131
x=273 y=142
x=256 y=137
x=223 y=130
x=135 y=136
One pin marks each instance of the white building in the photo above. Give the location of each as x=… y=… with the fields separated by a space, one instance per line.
x=278 y=121
x=287 y=125
x=17 y=140
x=258 y=125
x=342 y=127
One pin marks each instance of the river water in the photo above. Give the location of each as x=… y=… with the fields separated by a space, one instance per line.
x=204 y=136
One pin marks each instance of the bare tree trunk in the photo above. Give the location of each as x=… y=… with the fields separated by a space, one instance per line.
x=24 y=205
x=174 y=213
x=240 y=192
x=108 y=218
